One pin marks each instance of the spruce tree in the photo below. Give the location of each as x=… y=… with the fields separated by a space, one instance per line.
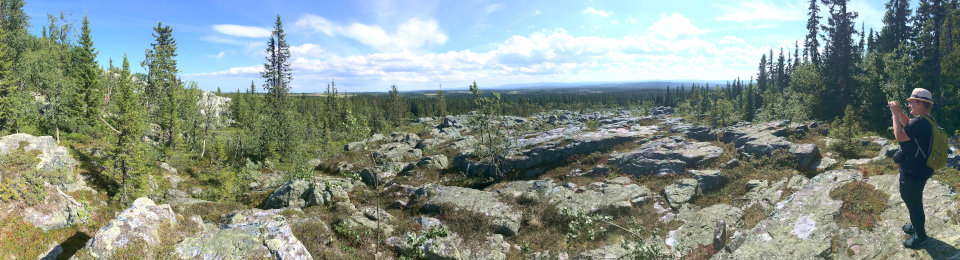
x=840 y=58
x=8 y=85
x=928 y=23
x=130 y=126
x=441 y=102
x=87 y=72
x=277 y=76
x=896 y=30
x=811 y=44
x=163 y=87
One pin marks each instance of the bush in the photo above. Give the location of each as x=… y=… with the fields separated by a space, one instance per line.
x=847 y=131
x=862 y=204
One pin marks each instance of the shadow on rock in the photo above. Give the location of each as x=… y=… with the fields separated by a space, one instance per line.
x=73 y=244
x=939 y=249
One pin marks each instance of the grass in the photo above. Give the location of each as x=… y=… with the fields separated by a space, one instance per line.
x=862 y=204
x=772 y=168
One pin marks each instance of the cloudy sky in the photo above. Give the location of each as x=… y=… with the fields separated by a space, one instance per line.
x=368 y=45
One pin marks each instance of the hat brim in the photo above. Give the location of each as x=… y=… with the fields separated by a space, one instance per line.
x=920 y=99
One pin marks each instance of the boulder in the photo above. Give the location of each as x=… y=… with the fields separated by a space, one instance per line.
x=57 y=210
x=708 y=179
x=668 y=155
x=142 y=221
x=215 y=107
x=368 y=220
x=245 y=234
x=438 y=162
x=52 y=156
x=680 y=192
x=301 y=193
x=503 y=218
x=807 y=155
x=397 y=152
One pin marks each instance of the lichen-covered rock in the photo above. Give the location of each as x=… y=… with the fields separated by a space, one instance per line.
x=141 y=221
x=52 y=156
x=708 y=179
x=452 y=246
x=369 y=220
x=246 y=234
x=669 y=155
x=57 y=210
x=680 y=191
x=301 y=193
x=397 y=152
x=807 y=155
x=437 y=162
x=503 y=218
x=611 y=195
x=699 y=226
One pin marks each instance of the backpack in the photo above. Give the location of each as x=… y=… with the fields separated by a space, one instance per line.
x=937 y=157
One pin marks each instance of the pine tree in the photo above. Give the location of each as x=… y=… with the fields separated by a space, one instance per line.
x=277 y=76
x=8 y=85
x=87 y=72
x=395 y=106
x=840 y=58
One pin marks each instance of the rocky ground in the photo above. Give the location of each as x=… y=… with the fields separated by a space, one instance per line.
x=558 y=185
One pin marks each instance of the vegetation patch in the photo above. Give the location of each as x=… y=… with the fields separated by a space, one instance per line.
x=862 y=204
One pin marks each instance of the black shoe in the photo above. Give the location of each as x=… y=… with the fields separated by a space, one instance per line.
x=908 y=228
x=914 y=242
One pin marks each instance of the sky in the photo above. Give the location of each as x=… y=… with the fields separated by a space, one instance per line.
x=369 y=45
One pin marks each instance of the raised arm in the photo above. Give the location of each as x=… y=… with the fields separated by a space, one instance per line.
x=900 y=119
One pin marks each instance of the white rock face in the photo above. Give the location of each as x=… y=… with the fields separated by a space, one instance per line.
x=52 y=156
x=141 y=221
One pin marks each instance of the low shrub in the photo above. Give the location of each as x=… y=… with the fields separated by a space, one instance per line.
x=862 y=204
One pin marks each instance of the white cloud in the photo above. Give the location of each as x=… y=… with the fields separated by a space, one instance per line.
x=219 y=55
x=537 y=12
x=412 y=34
x=221 y=40
x=670 y=48
x=762 y=10
x=493 y=8
x=593 y=11
x=242 y=30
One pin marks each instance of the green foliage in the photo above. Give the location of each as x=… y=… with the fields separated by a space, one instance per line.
x=90 y=91
x=419 y=240
x=862 y=204
x=277 y=138
x=163 y=91
x=20 y=181
x=585 y=226
x=847 y=132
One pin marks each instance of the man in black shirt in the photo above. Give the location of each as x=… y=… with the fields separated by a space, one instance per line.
x=913 y=134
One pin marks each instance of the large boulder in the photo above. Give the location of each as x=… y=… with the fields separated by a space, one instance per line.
x=141 y=221
x=680 y=192
x=668 y=155
x=216 y=107
x=52 y=156
x=246 y=234
x=301 y=193
x=503 y=218
x=398 y=152
x=450 y=246
x=57 y=210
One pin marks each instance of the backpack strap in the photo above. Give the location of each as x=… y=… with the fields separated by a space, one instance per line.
x=933 y=126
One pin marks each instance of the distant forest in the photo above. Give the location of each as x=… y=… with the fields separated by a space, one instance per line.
x=51 y=84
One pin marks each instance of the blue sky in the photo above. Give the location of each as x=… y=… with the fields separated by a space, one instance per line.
x=368 y=45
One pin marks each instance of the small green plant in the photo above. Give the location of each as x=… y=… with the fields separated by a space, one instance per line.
x=593 y=124
x=583 y=225
x=847 y=132
x=418 y=240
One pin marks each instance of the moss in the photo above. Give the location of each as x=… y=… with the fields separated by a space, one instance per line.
x=754 y=214
x=862 y=204
x=210 y=211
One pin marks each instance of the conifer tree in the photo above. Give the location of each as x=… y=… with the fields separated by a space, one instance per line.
x=441 y=102
x=277 y=76
x=87 y=72
x=8 y=86
x=928 y=23
x=840 y=58
x=811 y=44
x=896 y=30
x=130 y=126
x=163 y=88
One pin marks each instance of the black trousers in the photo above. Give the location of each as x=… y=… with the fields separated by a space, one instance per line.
x=911 y=191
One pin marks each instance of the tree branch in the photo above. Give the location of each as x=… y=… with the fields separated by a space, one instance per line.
x=108 y=125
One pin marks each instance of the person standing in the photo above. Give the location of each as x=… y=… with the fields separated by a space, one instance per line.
x=913 y=134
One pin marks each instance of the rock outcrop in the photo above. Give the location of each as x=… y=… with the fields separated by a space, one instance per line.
x=246 y=234
x=669 y=155
x=142 y=221
x=503 y=218
x=301 y=193
x=613 y=195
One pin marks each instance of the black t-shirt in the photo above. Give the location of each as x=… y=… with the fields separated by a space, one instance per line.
x=913 y=161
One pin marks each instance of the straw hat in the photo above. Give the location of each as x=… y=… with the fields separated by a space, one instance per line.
x=921 y=94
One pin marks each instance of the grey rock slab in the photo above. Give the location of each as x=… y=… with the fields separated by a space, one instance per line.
x=52 y=156
x=453 y=246
x=503 y=218
x=680 y=192
x=251 y=233
x=665 y=156
x=141 y=221
x=708 y=179
x=589 y=199
x=699 y=225
x=57 y=210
